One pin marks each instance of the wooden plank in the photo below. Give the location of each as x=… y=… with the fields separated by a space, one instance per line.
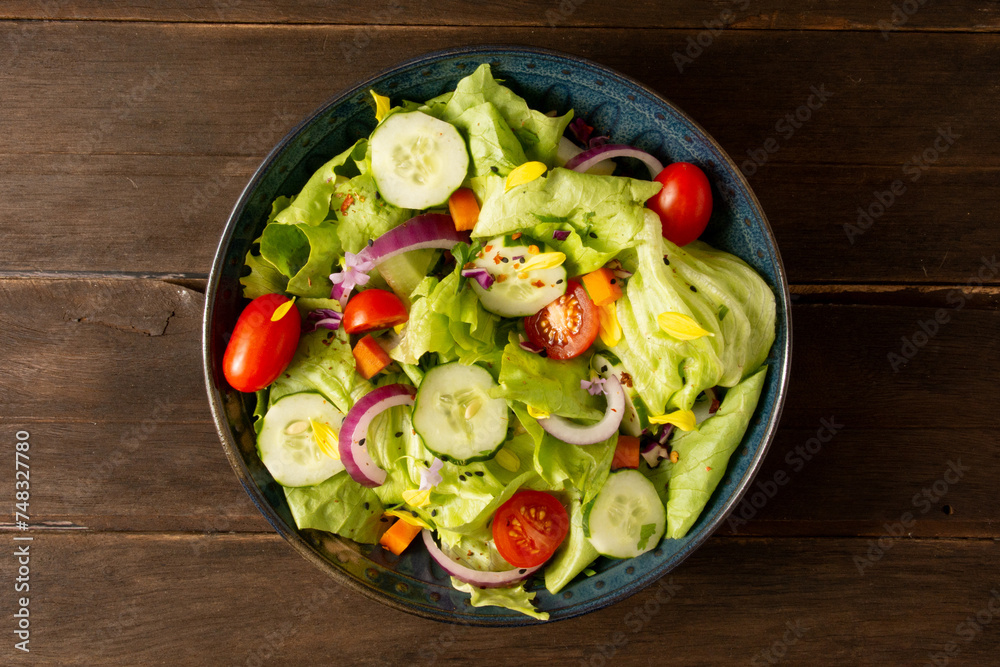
x=762 y=14
x=105 y=374
x=164 y=214
x=112 y=88
x=253 y=600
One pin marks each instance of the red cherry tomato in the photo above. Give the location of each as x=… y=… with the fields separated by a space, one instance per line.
x=529 y=527
x=684 y=204
x=373 y=309
x=567 y=326
x=260 y=349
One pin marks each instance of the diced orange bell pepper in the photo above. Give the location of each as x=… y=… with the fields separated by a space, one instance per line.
x=399 y=536
x=602 y=286
x=370 y=357
x=626 y=453
x=464 y=209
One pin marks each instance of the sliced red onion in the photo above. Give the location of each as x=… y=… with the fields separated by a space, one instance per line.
x=470 y=576
x=590 y=157
x=560 y=234
x=575 y=434
x=322 y=318
x=353 y=432
x=481 y=276
x=707 y=406
x=430 y=230
x=615 y=266
x=528 y=346
x=656 y=450
x=580 y=131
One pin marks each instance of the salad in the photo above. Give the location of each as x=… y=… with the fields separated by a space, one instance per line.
x=468 y=334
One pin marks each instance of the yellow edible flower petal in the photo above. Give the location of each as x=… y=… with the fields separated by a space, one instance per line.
x=611 y=331
x=544 y=260
x=507 y=460
x=406 y=517
x=399 y=327
x=538 y=414
x=326 y=438
x=526 y=173
x=682 y=419
x=416 y=498
x=381 y=105
x=680 y=326
x=281 y=310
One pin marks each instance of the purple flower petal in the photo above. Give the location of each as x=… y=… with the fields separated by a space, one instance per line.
x=431 y=477
x=481 y=276
x=560 y=234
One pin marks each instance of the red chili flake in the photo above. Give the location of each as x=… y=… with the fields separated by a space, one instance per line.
x=502 y=277
x=346 y=205
x=516 y=235
x=469 y=265
x=479 y=254
x=361 y=199
x=708 y=467
x=538 y=283
x=488 y=248
x=496 y=259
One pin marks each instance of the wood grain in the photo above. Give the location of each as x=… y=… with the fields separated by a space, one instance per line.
x=242 y=599
x=182 y=89
x=163 y=214
x=761 y=14
x=106 y=375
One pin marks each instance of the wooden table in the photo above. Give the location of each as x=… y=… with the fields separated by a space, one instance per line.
x=128 y=133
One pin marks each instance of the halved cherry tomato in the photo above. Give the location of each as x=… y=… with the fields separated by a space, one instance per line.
x=373 y=309
x=260 y=349
x=684 y=204
x=529 y=527
x=567 y=326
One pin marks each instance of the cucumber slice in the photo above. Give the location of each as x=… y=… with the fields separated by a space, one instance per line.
x=455 y=416
x=635 y=417
x=516 y=293
x=418 y=160
x=287 y=445
x=626 y=518
x=404 y=272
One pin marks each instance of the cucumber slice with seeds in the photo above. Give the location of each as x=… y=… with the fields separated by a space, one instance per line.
x=626 y=518
x=418 y=160
x=455 y=416
x=287 y=444
x=516 y=293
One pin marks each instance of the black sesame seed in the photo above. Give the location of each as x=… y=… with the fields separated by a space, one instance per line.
x=366 y=505
x=480 y=473
x=434 y=512
x=559 y=282
x=593 y=235
x=461 y=478
x=693 y=288
x=371 y=242
x=604 y=368
x=399 y=434
x=543 y=353
x=361 y=441
x=666 y=261
x=504 y=260
x=521 y=571
x=614 y=282
x=494 y=169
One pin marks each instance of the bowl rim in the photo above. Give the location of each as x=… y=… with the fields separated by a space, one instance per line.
x=293 y=537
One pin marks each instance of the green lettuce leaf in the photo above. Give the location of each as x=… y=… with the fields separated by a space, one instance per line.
x=304 y=253
x=264 y=278
x=546 y=384
x=339 y=505
x=573 y=555
x=323 y=362
x=585 y=467
x=514 y=598
x=704 y=454
x=492 y=144
x=538 y=134
x=312 y=205
x=365 y=215
x=605 y=213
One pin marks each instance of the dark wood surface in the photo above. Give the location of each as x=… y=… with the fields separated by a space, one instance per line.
x=129 y=130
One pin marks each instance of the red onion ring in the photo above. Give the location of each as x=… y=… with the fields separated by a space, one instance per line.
x=354 y=431
x=470 y=576
x=589 y=158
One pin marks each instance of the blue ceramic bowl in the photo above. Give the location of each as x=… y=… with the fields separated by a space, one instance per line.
x=614 y=104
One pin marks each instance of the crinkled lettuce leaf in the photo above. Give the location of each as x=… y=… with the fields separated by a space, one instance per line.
x=515 y=598
x=729 y=300
x=264 y=278
x=323 y=362
x=538 y=134
x=604 y=212
x=339 y=505
x=446 y=317
x=362 y=213
x=584 y=467
x=547 y=384
x=704 y=454
x=492 y=144
x=312 y=205
x=303 y=253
